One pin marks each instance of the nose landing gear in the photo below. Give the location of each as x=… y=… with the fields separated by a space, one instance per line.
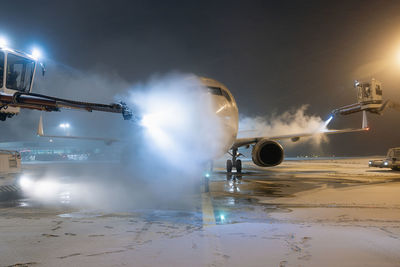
x=237 y=163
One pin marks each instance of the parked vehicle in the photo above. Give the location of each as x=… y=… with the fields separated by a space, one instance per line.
x=392 y=160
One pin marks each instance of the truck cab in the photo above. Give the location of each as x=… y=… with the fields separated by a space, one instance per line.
x=392 y=160
x=17 y=72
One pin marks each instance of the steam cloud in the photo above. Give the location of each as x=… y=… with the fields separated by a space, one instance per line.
x=162 y=158
x=289 y=122
x=180 y=126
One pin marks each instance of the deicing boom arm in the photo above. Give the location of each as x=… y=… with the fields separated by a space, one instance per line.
x=48 y=103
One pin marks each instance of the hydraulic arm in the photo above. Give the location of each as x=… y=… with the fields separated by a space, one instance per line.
x=18 y=70
x=369 y=99
x=48 y=103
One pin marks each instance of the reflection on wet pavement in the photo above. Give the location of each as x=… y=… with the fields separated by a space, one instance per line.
x=233 y=197
x=281 y=216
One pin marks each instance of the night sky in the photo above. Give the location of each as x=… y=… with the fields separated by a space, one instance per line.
x=272 y=55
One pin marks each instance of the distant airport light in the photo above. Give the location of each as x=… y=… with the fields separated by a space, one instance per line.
x=3 y=42
x=64 y=125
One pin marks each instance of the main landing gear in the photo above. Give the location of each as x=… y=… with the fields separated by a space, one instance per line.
x=234 y=163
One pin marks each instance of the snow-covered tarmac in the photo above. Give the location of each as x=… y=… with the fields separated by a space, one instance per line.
x=302 y=213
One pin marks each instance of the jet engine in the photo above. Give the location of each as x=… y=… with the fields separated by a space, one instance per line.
x=267 y=153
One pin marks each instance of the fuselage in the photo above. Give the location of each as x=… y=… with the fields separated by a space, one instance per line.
x=225 y=108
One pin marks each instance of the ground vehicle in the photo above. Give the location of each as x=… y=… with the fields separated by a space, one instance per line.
x=17 y=73
x=392 y=160
x=10 y=169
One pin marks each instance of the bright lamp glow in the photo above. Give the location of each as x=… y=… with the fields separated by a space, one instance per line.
x=25 y=182
x=45 y=189
x=36 y=53
x=3 y=42
x=64 y=125
x=398 y=57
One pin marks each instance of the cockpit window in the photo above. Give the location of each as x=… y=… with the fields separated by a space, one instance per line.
x=19 y=72
x=1 y=68
x=214 y=90
x=227 y=96
x=218 y=91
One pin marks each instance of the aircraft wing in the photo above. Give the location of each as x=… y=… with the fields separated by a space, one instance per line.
x=295 y=137
x=40 y=132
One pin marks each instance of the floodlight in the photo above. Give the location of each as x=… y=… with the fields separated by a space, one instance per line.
x=3 y=42
x=36 y=53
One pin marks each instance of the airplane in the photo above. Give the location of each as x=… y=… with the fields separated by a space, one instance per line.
x=266 y=151
x=18 y=69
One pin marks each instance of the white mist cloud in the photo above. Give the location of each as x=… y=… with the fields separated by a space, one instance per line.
x=289 y=122
x=162 y=158
x=179 y=124
x=178 y=132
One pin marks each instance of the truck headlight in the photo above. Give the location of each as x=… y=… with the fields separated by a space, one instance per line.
x=25 y=182
x=386 y=163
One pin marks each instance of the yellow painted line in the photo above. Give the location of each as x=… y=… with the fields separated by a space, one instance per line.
x=207 y=209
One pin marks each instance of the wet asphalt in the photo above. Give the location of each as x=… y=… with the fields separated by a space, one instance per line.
x=232 y=198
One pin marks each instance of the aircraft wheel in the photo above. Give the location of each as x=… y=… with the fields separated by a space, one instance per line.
x=229 y=165
x=238 y=165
